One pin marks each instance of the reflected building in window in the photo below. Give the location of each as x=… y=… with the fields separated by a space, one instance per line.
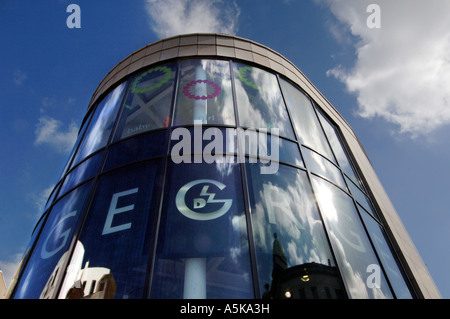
x=208 y=166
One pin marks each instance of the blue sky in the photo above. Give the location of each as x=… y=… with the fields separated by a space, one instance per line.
x=391 y=84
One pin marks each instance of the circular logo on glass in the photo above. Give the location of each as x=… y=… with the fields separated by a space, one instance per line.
x=206 y=198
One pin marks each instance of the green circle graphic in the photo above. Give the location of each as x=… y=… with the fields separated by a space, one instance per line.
x=242 y=74
x=167 y=75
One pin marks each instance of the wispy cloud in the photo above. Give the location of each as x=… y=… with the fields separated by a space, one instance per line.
x=51 y=132
x=173 y=17
x=402 y=70
x=19 y=77
x=39 y=198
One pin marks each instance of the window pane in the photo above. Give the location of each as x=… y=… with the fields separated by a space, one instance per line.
x=82 y=172
x=43 y=270
x=259 y=100
x=387 y=258
x=204 y=93
x=357 y=261
x=102 y=123
x=137 y=149
x=361 y=198
x=321 y=166
x=117 y=229
x=307 y=126
x=149 y=101
x=337 y=147
x=202 y=247
x=292 y=251
x=269 y=147
x=74 y=149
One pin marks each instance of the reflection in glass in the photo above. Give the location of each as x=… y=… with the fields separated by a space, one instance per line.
x=204 y=93
x=351 y=246
x=81 y=173
x=391 y=267
x=361 y=198
x=293 y=255
x=102 y=123
x=136 y=149
x=270 y=147
x=259 y=100
x=338 y=149
x=117 y=229
x=147 y=106
x=75 y=147
x=321 y=166
x=44 y=269
x=202 y=246
x=307 y=126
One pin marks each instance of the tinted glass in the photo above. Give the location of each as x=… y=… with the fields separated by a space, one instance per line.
x=292 y=251
x=202 y=247
x=137 y=149
x=44 y=268
x=338 y=149
x=102 y=123
x=391 y=267
x=259 y=100
x=111 y=254
x=307 y=126
x=82 y=172
x=147 y=106
x=361 y=198
x=321 y=166
x=77 y=143
x=356 y=259
x=204 y=93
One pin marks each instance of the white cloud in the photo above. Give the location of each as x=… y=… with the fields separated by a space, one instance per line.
x=402 y=70
x=51 y=132
x=19 y=77
x=39 y=199
x=173 y=17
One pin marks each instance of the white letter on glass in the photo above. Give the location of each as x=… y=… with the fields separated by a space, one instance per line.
x=113 y=210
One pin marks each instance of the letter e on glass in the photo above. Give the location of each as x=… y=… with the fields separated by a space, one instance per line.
x=113 y=210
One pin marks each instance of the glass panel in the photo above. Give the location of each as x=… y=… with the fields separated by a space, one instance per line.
x=203 y=246
x=337 y=147
x=111 y=256
x=362 y=199
x=268 y=147
x=102 y=123
x=204 y=93
x=9 y=293
x=43 y=271
x=207 y=143
x=82 y=172
x=79 y=138
x=292 y=251
x=307 y=126
x=259 y=100
x=393 y=272
x=149 y=101
x=137 y=149
x=355 y=257
x=321 y=166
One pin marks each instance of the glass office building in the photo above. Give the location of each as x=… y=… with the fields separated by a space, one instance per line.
x=208 y=166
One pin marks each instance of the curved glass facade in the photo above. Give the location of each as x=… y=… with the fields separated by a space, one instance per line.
x=165 y=196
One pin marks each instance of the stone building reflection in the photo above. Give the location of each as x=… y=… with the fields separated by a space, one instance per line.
x=305 y=281
x=81 y=283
